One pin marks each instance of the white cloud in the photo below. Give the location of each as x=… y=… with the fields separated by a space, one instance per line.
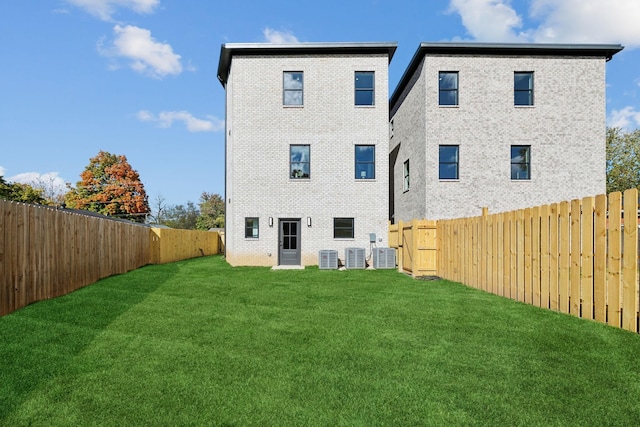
x=166 y=118
x=626 y=118
x=566 y=21
x=104 y=9
x=146 y=55
x=587 y=21
x=2 y=171
x=52 y=185
x=489 y=20
x=275 y=36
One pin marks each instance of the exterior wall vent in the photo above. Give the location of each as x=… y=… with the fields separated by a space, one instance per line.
x=328 y=259
x=354 y=258
x=384 y=258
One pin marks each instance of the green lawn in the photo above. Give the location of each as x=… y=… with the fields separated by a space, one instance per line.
x=199 y=343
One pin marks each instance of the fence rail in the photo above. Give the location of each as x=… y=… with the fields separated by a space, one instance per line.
x=576 y=257
x=45 y=253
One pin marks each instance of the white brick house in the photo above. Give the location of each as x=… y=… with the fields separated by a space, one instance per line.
x=503 y=126
x=307 y=149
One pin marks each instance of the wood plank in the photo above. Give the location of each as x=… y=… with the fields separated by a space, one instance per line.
x=513 y=216
x=576 y=257
x=483 y=252
x=630 y=262
x=600 y=260
x=535 y=255
x=554 y=269
x=528 y=286
x=614 y=261
x=544 y=256
x=506 y=255
x=586 y=276
x=563 y=257
x=500 y=254
x=520 y=255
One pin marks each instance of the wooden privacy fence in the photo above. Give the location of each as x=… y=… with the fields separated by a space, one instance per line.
x=45 y=252
x=415 y=242
x=576 y=257
x=169 y=245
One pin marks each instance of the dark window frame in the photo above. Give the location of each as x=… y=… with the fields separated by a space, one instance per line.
x=523 y=165
x=343 y=230
x=527 y=92
x=442 y=163
x=359 y=164
x=365 y=90
x=406 y=172
x=292 y=171
x=251 y=227
x=286 y=90
x=448 y=90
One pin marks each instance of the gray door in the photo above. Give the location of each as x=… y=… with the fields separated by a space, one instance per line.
x=289 y=252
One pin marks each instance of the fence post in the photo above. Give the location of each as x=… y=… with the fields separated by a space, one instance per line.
x=630 y=261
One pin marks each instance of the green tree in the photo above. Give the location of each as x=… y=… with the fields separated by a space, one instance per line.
x=623 y=159
x=20 y=193
x=110 y=186
x=181 y=216
x=211 y=211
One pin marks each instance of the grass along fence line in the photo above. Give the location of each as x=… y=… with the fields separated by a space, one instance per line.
x=46 y=252
x=200 y=343
x=567 y=256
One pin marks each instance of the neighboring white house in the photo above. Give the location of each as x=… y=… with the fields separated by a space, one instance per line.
x=307 y=149
x=503 y=126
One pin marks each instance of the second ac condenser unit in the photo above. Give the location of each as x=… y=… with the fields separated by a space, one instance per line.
x=384 y=258
x=354 y=258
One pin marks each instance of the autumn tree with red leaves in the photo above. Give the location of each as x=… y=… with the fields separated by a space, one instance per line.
x=110 y=186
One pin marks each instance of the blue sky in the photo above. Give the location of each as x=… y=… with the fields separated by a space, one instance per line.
x=138 y=77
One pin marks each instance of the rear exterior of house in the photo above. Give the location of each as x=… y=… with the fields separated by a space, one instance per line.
x=502 y=126
x=306 y=149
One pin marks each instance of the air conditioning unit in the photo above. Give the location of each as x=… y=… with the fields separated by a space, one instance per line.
x=354 y=258
x=328 y=259
x=384 y=258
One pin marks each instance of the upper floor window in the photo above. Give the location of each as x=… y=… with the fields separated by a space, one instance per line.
x=448 y=87
x=365 y=85
x=523 y=88
x=293 y=87
x=449 y=161
x=299 y=161
x=343 y=228
x=405 y=185
x=251 y=228
x=520 y=162
x=365 y=161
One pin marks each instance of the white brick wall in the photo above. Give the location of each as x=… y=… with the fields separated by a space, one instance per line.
x=259 y=132
x=565 y=128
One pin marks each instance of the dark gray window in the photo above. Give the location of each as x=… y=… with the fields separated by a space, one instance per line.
x=365 y=86
x=365 y=161
x=405 y=186
x=448 y=87
x=251 y=227
x=299 y=161
x=449 y=161
x=343 y=228
x=520 y=162
x=293 y=87
x=523 y=88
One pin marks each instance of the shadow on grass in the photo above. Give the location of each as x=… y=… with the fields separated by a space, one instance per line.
x=57 y=330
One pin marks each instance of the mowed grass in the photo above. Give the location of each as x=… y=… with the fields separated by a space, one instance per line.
x=200 y=343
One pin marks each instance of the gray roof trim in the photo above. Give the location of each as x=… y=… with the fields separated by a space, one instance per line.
x=227 y=51
x=522 y=49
